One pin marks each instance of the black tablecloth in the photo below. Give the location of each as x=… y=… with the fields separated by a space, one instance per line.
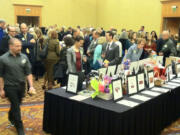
x=63 y=116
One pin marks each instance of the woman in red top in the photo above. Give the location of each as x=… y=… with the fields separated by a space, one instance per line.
x=75 y=57
x=150 y=45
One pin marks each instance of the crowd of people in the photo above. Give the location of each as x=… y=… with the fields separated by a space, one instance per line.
x=72 y=50
x=79 y=49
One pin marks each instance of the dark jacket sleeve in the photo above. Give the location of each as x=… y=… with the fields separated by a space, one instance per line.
x=116 y=60
x=4 y=44
x=26 y=43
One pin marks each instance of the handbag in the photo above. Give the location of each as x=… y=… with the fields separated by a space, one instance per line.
x=44 y=52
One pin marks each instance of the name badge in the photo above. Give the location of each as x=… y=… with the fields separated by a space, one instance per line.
x=23 y=61
x=165 y=46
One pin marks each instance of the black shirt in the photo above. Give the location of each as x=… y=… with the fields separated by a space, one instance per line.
x=14 y=69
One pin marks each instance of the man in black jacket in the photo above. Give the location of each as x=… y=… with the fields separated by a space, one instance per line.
x=110 y=50
x=4 y=43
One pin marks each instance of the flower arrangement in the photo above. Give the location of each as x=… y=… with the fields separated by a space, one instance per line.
x=102 y=86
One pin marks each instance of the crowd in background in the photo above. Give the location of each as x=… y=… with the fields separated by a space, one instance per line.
x=80 y=50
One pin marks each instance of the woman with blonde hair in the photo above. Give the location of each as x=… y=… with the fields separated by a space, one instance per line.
x=52 y=57
x=38 y=66
x=97 y=60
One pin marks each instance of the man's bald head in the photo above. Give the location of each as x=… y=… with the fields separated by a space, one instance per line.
x=23 y=28
x=165 y=35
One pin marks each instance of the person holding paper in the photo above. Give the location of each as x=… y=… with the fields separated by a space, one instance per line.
x=135 y=51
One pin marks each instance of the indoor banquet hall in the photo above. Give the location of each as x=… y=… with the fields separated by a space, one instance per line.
x=89 y=67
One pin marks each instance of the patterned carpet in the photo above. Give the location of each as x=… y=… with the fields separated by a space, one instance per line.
x=32 y=115
x=35 y=99
x=32 y=119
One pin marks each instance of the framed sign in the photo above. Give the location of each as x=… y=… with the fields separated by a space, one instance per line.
x=169 y=73
x=178 y=70
x=111 y=70
x=151 y=79
x=102 y=71
x=159 y=59
x=117 y=89
x=141 y=81
x=72 y=84
x=119 y=68
x=132 y=85
x=134 y=66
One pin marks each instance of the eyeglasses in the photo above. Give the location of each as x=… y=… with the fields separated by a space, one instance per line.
x=12 y=31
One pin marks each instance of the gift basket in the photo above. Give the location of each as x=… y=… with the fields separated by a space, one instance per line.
x=102 y=87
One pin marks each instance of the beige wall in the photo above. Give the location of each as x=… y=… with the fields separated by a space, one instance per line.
x=61 y=12
x=129 y=14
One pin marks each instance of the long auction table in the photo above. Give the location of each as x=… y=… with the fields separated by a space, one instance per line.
x=64 y=115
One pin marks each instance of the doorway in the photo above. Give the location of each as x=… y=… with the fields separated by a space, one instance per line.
x=29 y=20
x=172 y=24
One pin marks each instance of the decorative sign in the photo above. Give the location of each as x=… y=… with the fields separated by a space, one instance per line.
x=132 y=85
x=151 y=79
x=141 y=81
x=111 y=70
x=117 y=89
x=72 y=84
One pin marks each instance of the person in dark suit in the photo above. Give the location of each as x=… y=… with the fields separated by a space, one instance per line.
x=61 y=34
x=28 y=42
x=4 y=43
x=110 y=51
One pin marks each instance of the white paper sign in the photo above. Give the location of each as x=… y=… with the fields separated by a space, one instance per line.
x=174 y=84
x=141 y=82
x=132 y=85
x=169 y=86
x=140 y=97
x=111 y=70
x=128 y=103
x=79 y=97
x=72 y=83
x=176 y=80
x=160 y=89
x=117 y=89
x=151 y=93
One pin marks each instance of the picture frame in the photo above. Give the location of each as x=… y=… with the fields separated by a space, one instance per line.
x=151 y=79
x=117 y=89
x=134 y=66
x=111 y=70
x=159 y=59
x=132 y=85
x=102 y=71
x=72 y=83
x=141 y=81
x=169 y=72
x=119 y=68
x=178 y=70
